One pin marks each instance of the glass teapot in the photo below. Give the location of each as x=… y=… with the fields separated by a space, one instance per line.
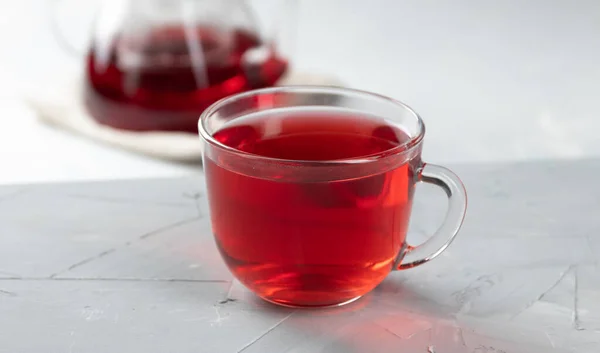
x=157 y=64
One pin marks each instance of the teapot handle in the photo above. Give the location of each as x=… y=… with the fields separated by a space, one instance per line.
x=106 y=14
x=55 y=29
x=59 y=35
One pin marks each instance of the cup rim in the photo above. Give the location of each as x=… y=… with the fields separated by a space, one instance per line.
x=403 y=148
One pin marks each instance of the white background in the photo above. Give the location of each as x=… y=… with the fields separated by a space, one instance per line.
x=494 y=80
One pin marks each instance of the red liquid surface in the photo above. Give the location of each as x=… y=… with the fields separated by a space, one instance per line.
x=157 y=83
x=314 y=240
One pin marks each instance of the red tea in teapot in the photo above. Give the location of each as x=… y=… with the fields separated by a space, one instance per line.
x=166 y=78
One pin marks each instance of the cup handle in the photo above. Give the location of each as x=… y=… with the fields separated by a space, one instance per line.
x=412 y=256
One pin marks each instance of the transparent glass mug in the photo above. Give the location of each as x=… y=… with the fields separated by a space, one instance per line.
x=313 y=233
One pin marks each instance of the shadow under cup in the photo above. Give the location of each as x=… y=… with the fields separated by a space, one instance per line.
x=318 y=232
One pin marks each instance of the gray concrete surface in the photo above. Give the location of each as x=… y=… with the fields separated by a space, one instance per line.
x=131 y=266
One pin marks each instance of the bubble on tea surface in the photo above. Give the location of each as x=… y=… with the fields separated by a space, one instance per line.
x=388 y=133
x=243 y=137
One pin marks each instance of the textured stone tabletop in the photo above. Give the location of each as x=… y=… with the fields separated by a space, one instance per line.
x=131 y=267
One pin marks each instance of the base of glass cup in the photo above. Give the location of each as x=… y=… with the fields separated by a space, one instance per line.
x=301 y=306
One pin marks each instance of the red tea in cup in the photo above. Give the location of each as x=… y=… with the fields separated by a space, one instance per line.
x=310 y=202
x=303 y=239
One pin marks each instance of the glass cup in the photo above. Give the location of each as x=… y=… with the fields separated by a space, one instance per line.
x=316 y=233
